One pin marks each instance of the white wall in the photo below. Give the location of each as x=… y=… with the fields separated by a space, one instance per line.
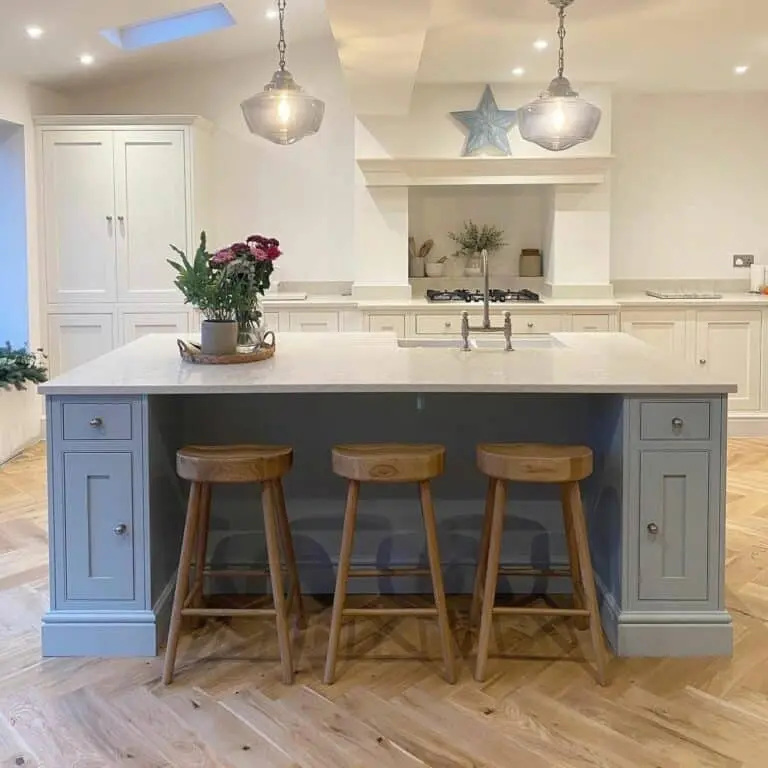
x=522 y=212
x=689 y=185
x=302 y=194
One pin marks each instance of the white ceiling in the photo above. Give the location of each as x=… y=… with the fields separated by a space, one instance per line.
x=73 y=27
x=387 y=46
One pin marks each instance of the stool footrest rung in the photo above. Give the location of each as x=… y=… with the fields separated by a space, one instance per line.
x=523 y=611
x=264 y=572
x=224 y=612
x=521 y=570
x=361 y=573
x=389 y=612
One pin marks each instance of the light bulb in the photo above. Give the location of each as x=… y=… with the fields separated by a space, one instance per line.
x=35 y=32
x=284 y=112
x=558 y=119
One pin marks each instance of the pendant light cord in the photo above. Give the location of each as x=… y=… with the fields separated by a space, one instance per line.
x=561 y=35
x=282 y=45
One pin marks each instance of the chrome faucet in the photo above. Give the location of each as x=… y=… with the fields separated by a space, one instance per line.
x=486 y=327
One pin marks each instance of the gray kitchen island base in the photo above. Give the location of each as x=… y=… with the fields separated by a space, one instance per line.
x=655 y=505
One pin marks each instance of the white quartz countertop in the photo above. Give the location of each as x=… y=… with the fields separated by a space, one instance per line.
x=373 y=362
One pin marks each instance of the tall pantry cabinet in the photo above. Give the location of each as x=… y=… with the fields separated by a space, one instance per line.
x=115 y=193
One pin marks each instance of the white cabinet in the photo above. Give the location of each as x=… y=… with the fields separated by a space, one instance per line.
x=151 y=199
x=662 y=329
x=74 y=339
x=134 y=325
x=313 y=322
x=590 y=323
x=728 y=346
x=387 y=324
x=79 y=216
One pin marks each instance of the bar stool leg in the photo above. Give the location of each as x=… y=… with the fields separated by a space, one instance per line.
x=182 y=580
x=276 y=576
x=581 y=622
x=290 y=553
x=482 y=556
x=347 y=540
x=198 y=585
x=433 y=550
x=573 y=508
x=491 y=578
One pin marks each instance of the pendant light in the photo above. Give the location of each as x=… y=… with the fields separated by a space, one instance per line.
x=559 y=119
x=283 y=113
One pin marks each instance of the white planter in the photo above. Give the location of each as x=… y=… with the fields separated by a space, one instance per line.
x=19 y=420
x=435 y=269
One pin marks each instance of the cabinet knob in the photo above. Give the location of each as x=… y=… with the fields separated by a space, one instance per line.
x=120 y=530
x=702 y=361
x=96 y=422
x=110 y=219
x=653 y=528
x=448 y=324
x=530 y=325
x=121 y=218
x=677 y=423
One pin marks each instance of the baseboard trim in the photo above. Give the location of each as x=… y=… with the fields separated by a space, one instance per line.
x=683 y=636
x=102 y=634
x=747 y=424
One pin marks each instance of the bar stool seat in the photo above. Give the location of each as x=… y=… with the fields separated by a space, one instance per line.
x=565 y=465
x=389 y=463
x=207 y=465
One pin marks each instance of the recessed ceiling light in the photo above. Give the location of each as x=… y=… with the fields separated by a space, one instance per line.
x=87 y=59
x=518 y=71
x=271 y=13
x=541 y=45
x=741 y=69
x=34 y=31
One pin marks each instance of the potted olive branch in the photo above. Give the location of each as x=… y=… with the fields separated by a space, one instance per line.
x=473 y=240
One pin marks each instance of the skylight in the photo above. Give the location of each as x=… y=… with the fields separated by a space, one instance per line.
x=200 y=21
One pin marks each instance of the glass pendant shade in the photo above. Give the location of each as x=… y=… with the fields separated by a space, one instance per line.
x=559 y=119
x=283 y=113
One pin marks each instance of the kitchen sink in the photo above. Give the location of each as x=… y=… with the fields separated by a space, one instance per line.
x=484 y=343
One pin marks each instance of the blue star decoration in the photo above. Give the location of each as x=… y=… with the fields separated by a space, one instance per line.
x=488 y=125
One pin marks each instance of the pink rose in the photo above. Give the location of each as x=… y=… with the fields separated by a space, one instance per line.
x=259 y=254
x=222 y=257
x=273 y=252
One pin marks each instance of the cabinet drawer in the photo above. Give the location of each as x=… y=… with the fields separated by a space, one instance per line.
x=531 y=324
x=591 y=323
x=441 y=324
x=97 y=421
x=314 y=322
x=387 y=324
x=674 y=421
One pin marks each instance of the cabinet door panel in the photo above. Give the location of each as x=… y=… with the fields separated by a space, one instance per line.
x=674 y=525
x=138 y=324
x=387 y=324
x=79 y=215
x=728 y=347
x=663 y=330
x=76 y=339
x=151 y=204
x=98 y=526
x=314 y=322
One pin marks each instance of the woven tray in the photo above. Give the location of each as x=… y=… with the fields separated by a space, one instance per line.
x=191 y=353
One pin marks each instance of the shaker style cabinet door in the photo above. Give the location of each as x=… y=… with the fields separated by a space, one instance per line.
x=674 y=525
x=661 y=329
x=151 y=212
x=728 y=346
x=79 y=214
x=98 y=526
x=77 y=339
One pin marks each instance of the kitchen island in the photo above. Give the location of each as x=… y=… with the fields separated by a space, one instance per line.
x=655 y=503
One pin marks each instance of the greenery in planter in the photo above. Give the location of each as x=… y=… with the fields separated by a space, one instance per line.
x=19 y=366
x=474 y=239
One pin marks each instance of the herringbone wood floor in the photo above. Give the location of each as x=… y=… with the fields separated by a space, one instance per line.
x=228 y=708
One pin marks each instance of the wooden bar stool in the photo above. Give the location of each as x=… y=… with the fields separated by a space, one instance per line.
x=203 y=466
x=389 y=463
x=535 y=463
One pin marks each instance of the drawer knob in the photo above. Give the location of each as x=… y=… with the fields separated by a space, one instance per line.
x=677 y=423
x=530 y=325
x=702 y=361
x=96 y=422
x=653 y=528
x=448 y=324
x=120 y=530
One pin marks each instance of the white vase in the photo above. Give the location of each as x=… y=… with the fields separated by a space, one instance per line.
x=435 y=268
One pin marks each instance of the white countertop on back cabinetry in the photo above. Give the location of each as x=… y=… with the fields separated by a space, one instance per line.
x=374 y=362
x=743 y=300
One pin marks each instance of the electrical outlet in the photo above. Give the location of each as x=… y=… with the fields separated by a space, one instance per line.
x=742 y=260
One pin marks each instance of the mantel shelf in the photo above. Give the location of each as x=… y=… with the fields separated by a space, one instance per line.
x=473 y=171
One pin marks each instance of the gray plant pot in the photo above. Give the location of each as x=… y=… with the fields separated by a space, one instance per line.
x=219 y=337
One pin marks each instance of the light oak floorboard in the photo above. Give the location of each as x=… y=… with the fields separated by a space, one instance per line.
x=538 y=706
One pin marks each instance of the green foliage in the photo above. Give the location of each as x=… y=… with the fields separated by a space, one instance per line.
x=473 y=239
x=203 y=287
x=18 y=366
